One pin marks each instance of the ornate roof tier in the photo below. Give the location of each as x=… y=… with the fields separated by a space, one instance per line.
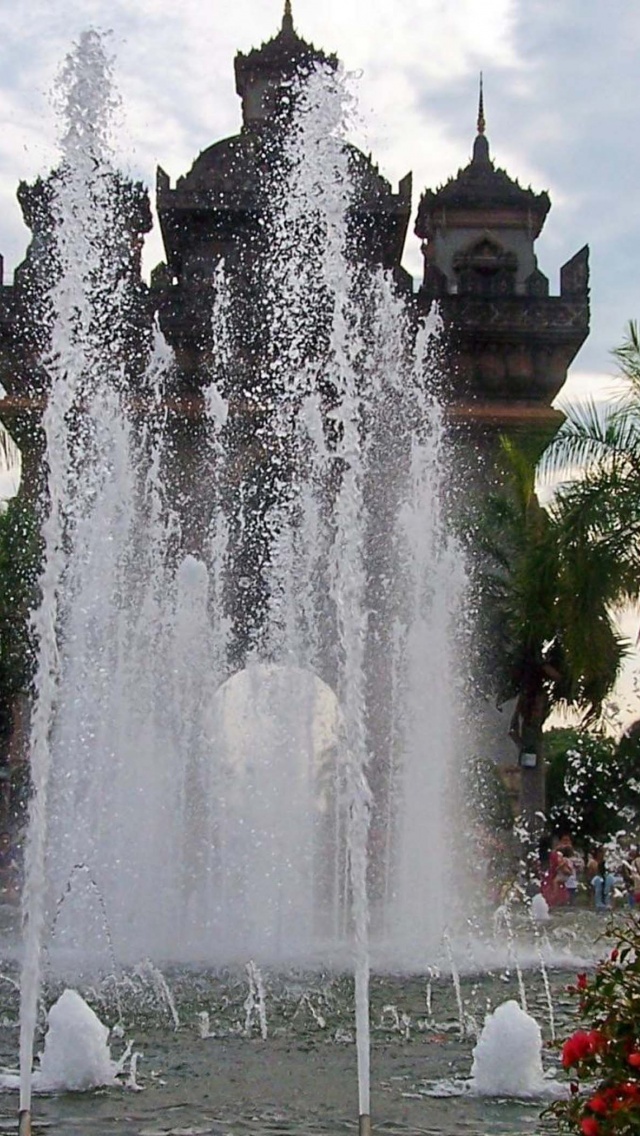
x=264 y=75
x=216 y=210
x=480 y=188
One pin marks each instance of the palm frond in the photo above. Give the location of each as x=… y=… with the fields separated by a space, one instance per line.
x=551 y=578
x=520 y=471
x=593 y=435
x=627 y=355
x=599 y=517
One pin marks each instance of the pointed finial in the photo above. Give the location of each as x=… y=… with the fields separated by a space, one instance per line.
x=287 y=18
x=481 y=121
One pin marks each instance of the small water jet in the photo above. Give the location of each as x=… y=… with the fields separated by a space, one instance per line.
x=539 y=909
x=255 y=1004
x=502 y=920
x=76 y=1055
x=507 y=1059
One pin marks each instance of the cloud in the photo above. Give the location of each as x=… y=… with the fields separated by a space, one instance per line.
x=594 y=386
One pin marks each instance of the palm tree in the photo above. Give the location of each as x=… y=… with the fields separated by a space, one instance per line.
x=595 y=461
x=546 y=600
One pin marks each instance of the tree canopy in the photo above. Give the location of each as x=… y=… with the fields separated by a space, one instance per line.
x=589 y=784
x=546 y=630
x=20 y=556
x=547 y=593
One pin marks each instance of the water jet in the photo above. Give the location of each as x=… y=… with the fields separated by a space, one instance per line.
x=507 y=1058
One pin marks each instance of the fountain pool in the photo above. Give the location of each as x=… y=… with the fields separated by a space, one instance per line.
x=302 y=1078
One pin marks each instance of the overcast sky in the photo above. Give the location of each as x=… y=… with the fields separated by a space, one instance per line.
x=562 y=98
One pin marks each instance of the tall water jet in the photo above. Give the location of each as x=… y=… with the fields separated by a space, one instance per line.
x=84 y=364
x=278 y=633
x=312 y=276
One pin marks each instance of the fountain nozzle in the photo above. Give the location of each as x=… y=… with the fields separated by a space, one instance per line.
x=364 y=1124
x=24 y=1122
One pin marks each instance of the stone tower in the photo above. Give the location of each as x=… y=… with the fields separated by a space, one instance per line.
x=216 y=211
x=215 y=214
x=508 y=346
x=510 y=343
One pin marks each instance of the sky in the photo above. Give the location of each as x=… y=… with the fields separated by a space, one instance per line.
x=562 y=94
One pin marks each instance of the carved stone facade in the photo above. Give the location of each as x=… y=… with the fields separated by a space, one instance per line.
x=217 y=210
x=508 y=342
x=25 y=316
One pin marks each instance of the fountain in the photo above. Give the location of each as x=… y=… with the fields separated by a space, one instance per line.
x=76 y=1053
x=539 y=909
x=242 y=738
x=507 y=1058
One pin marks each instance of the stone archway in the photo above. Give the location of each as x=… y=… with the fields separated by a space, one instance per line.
x=277 y=810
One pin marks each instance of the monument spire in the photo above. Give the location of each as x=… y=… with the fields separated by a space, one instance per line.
x=481 y=120
x=287 y=18
x=481 y=145
x=264 y=75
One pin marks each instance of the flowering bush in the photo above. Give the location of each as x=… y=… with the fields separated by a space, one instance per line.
x=604 y=1059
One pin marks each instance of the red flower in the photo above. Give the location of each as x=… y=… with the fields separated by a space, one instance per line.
x=576 y=1048
x=581 y=1045
x=618 y=1104
x=589 y=1126
x=605 y=1046
x=597 y=1041
x=631 y=1090
x=599 y=1104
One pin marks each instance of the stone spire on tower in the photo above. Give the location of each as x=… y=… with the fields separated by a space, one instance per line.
x=510 y=340
x=264 y=76
x=481 y=145
x=481 y=121
x=287 y=19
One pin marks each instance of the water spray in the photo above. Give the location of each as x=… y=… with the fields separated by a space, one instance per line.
x=137 y=635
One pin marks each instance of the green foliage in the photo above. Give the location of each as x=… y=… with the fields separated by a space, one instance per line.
x=603 y=1060
x=587 y=785
x=628 y=761
x=545 y=596
x=595 y=456
x=486 y=794
x=20 y=557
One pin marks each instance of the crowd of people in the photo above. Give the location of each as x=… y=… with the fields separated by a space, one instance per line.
x=564 y=871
